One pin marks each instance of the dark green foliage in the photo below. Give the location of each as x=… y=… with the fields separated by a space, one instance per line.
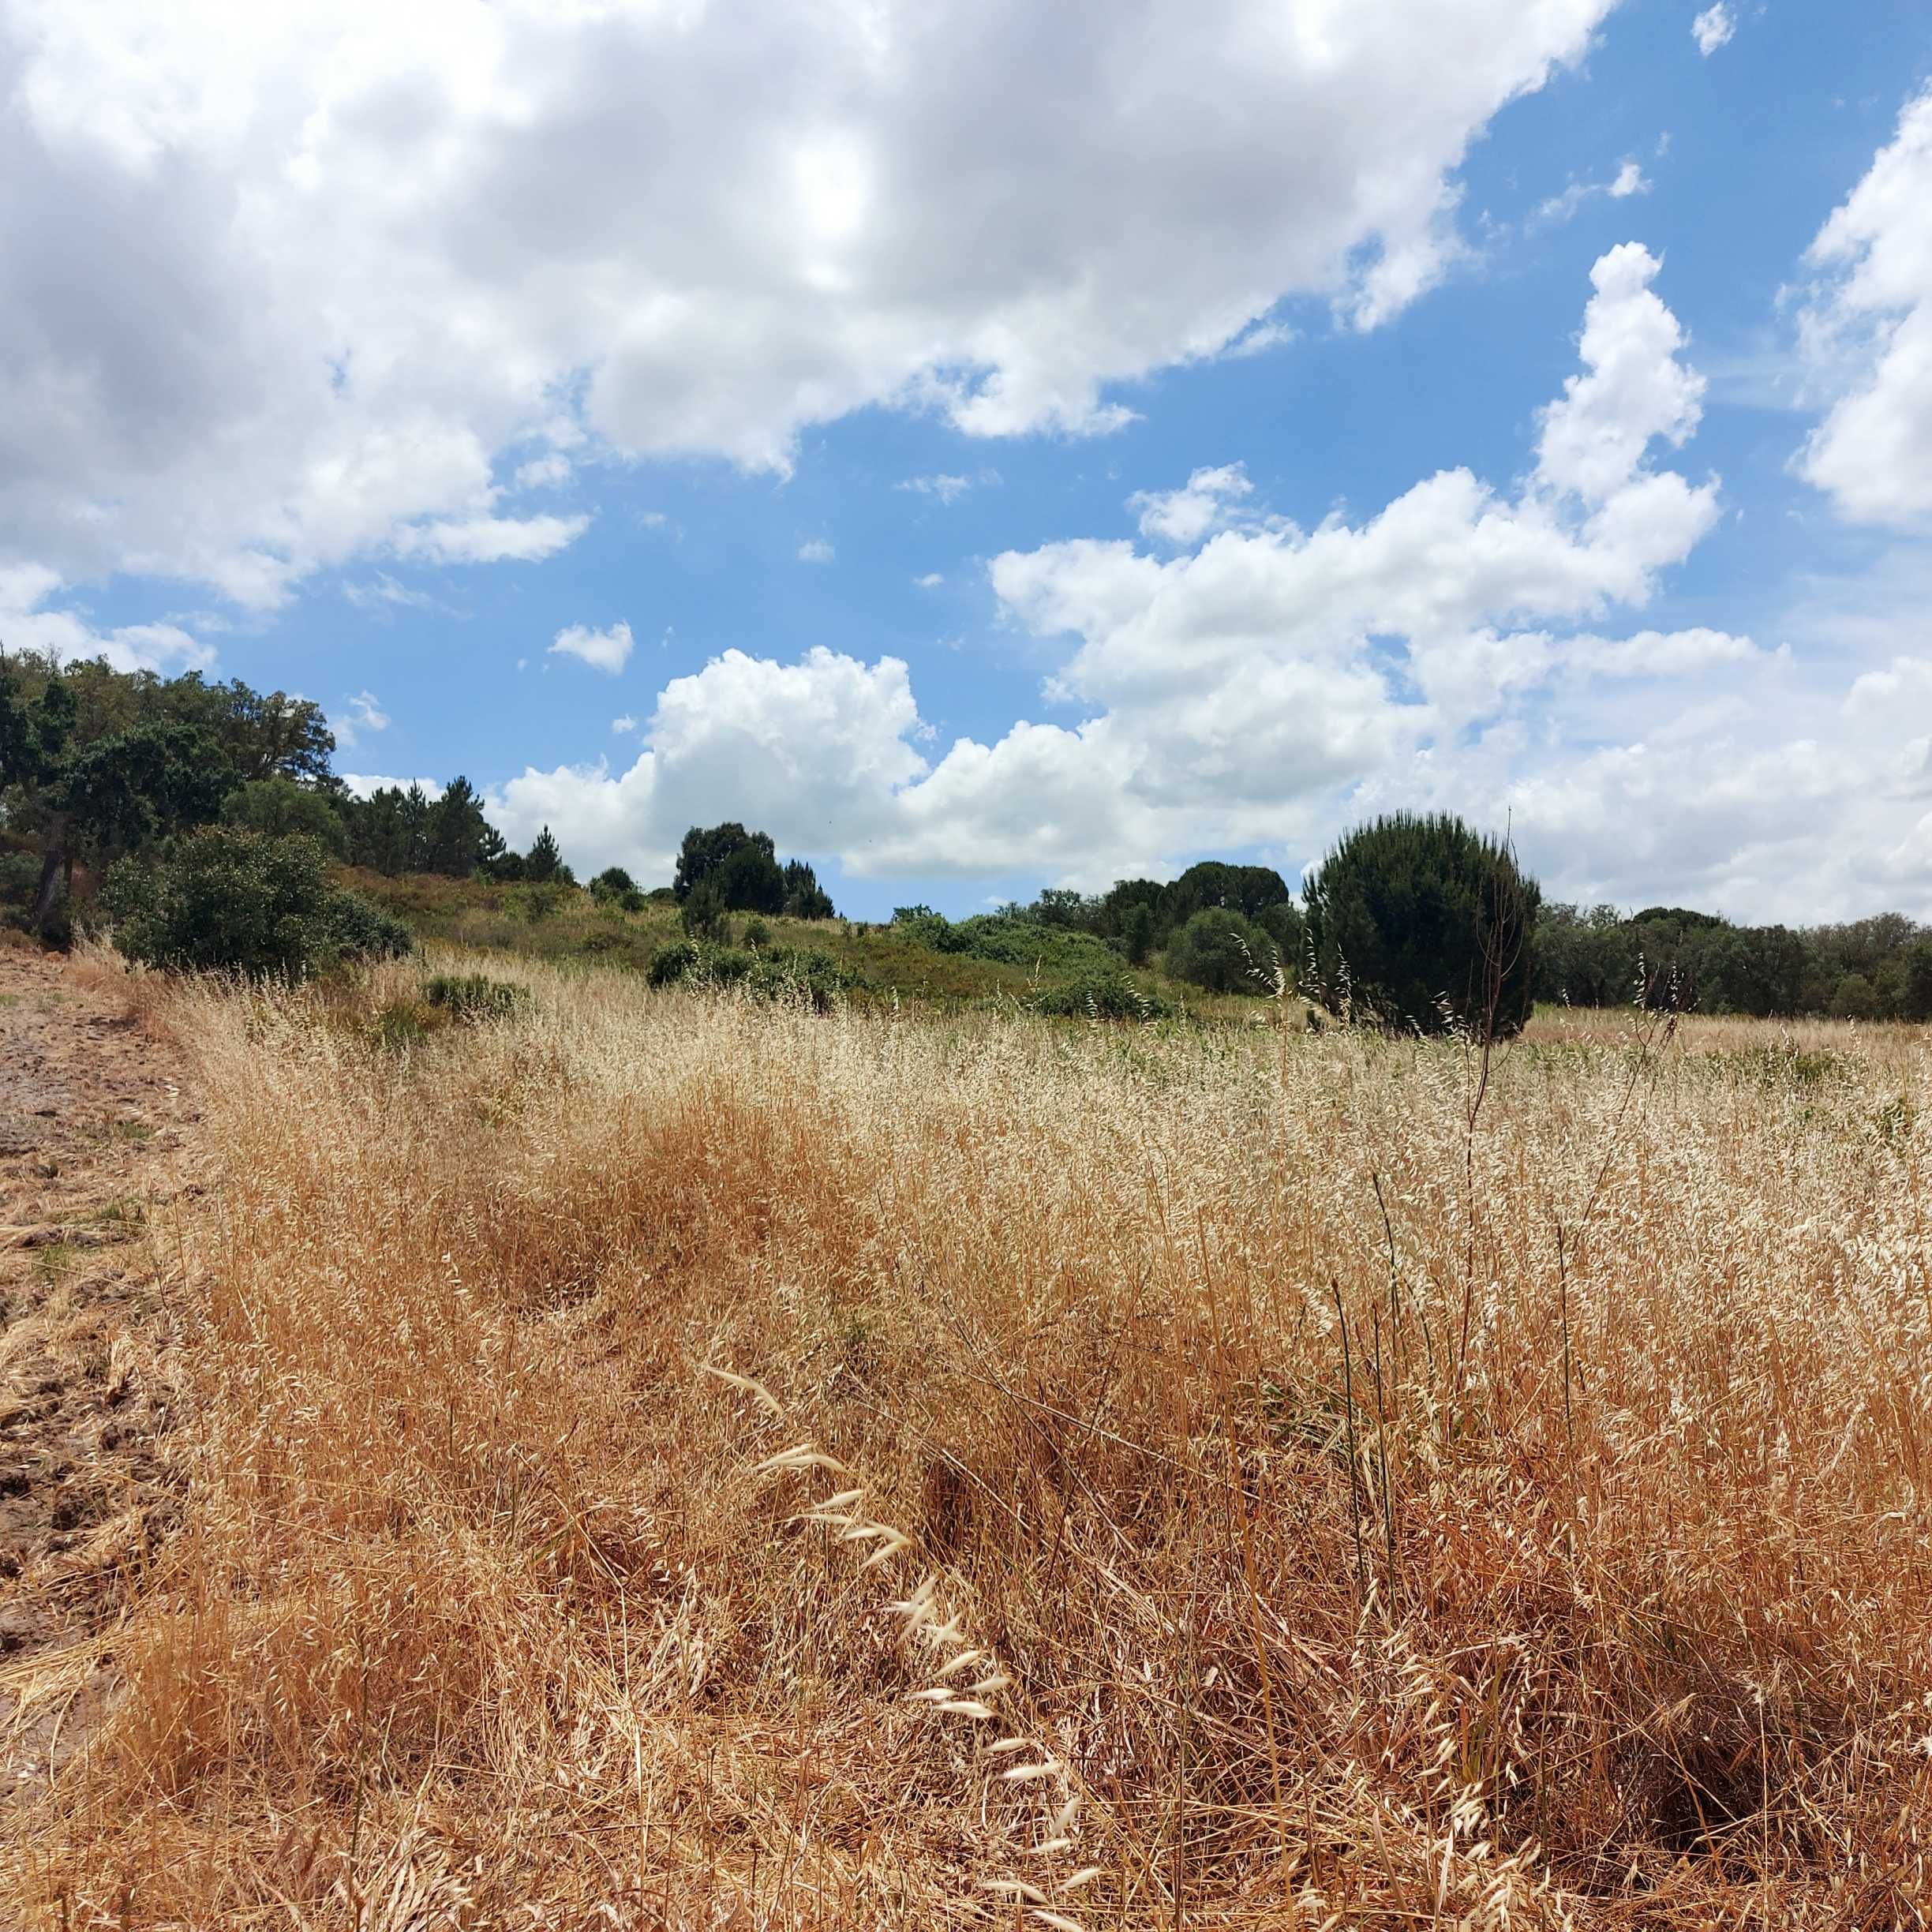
x=1854 y=999
x=613 y=882
x=1137 y=917
x=1248 y=890
x=804 y=897
x=469 y=997
x=743 y=866
x=1421 y=923
x=1915 y=979
x=734 y=860
x=1105 y=996
x=358 y=929
x=756 y=933
x=96 y=763
x=225 y=899
x=703 y=914
x=125 y=792
x=802 y=974
x=495 y=859
x=928 y=928
x=543 y=862
x=1665 y=958
x=453 y=831
x=278 y=807
x=394 y=831
x=673 y=962
x=1016 y=940
x=1220 y=952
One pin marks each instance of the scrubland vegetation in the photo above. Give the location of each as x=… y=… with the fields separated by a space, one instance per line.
x=658 y=1457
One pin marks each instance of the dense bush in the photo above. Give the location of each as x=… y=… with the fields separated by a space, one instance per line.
x=785 y=972
x=1105 y=996
x=924 y=926
x=1420 y=923
x=704 y=915
x=1220 y=952
x=229 y=899
x=474 y=996
x=673 y=962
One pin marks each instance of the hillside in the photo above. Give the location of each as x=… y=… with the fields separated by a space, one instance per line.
x=1015 y=962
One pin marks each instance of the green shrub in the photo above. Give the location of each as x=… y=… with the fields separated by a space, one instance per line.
x=1220 y=952
x=1105 y=996
x=468 y=998
x=612 y=882
x=783 y=973
x=725 y=965
x=703 y=913
x=1422 y=923
x=403 y=1024
x=757 y=933
x=226 y=899
x=802 y=974
x=673 y=962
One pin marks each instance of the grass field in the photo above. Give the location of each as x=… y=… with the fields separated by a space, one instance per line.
x=1210 y=1477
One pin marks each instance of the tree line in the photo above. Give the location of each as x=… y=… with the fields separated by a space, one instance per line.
x=1416 y=921
x=101 y=770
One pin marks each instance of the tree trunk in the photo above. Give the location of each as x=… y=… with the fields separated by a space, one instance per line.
x=55 y=860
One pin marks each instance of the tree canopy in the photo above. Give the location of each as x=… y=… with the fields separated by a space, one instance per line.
x=1420 y=923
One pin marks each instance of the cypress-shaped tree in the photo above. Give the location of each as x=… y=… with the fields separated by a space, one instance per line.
x=1419 y=922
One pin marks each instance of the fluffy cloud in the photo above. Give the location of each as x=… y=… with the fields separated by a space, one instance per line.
x=1712 y=28
x=27 y=624
x=377 y=248
x=605 y=650
x=1632 y=388
x=1236 y=681
x=816 y=550
x=814 y=752
x=1210 y=498
x=1233 y=684
x=1868 y=332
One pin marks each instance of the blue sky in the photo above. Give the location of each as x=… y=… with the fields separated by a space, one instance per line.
x=990 y=447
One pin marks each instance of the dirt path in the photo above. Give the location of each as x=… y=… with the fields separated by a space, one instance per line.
x=92 y=1115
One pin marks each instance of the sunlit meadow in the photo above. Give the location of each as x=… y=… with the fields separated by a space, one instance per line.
x=660 y=1460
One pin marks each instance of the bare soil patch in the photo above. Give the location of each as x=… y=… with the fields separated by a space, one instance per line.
x=92 y=1115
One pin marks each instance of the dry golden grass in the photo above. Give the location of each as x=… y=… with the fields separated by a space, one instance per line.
x=1368 y=1507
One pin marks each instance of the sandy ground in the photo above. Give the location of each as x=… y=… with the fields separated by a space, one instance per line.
x=91 y=1121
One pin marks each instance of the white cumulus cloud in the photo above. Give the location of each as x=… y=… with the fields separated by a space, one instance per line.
x=376 y=248
x=1209 y=499
x=1237 y=682
x=1868 y=333
x=27 y=624
x=603 y=650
